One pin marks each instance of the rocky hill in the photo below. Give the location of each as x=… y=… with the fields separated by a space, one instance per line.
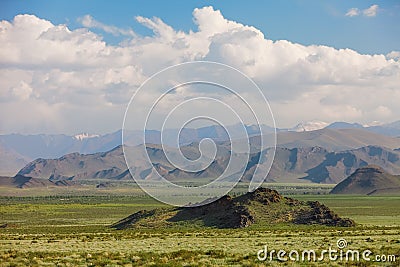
x=263 y=207
x=369 y=180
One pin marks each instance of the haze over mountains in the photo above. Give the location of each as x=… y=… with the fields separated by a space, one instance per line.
x=327 y=155
x=16 y=150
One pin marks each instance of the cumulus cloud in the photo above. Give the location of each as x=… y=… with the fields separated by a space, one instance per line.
x=63 y=80
x=368 y=12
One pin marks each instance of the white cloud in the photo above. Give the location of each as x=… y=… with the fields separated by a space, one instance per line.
x=371 y=11
x=62 y=80
x=89 y=22
x=161 y=29
x=23 y=91
x=353 y=12
x=395 y=55
x=368 y=12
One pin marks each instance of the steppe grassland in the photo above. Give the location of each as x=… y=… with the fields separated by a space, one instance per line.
x=74 y=230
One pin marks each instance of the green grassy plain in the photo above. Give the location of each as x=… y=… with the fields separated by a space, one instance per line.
x=73 y=230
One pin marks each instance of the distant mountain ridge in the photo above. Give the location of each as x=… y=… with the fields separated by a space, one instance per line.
x=314 y=164
x=338 y=165
x=344 y=125
x=17 y=150
x=20 y=181
x=388 y=129
x=11 y=160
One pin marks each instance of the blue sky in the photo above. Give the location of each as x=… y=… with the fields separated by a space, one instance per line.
x=301 y=21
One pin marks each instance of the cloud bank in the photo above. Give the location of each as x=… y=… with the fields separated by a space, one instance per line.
x=53 y=79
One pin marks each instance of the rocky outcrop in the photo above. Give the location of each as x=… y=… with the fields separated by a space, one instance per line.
x=263 y=206
x=321 y=214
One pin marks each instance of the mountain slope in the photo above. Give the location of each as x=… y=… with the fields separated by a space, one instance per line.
x=289 y=164
x=53 y=146
x=19 y=149
x=75 y=166
x=318 y=165
x=336 y=139
x=29 y=147
x=315 y=164
x=262 y=207
x=11 y=161
x=308 y=126
x=369 y=180
x=336 y=166
x=389 y=129
x=111 y=165
x=20 y=181
x=344 y=125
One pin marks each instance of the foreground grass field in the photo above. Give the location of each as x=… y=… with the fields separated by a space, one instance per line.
x=73 y=231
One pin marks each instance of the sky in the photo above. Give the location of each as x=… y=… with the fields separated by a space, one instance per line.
x=72 y=66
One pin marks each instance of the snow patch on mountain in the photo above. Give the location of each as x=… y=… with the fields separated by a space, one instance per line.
x=309 y=126
x=83 y=136
x=374 y=123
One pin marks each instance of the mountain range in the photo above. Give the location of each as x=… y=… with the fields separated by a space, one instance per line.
x=326 y=155
x=16 y=150
x=313 y=164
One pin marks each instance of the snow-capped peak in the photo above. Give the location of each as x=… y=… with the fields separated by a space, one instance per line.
x=374 y=123
x=82 y=136
x=309 y=126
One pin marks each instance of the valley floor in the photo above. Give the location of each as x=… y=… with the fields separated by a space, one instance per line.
x=73 y=231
